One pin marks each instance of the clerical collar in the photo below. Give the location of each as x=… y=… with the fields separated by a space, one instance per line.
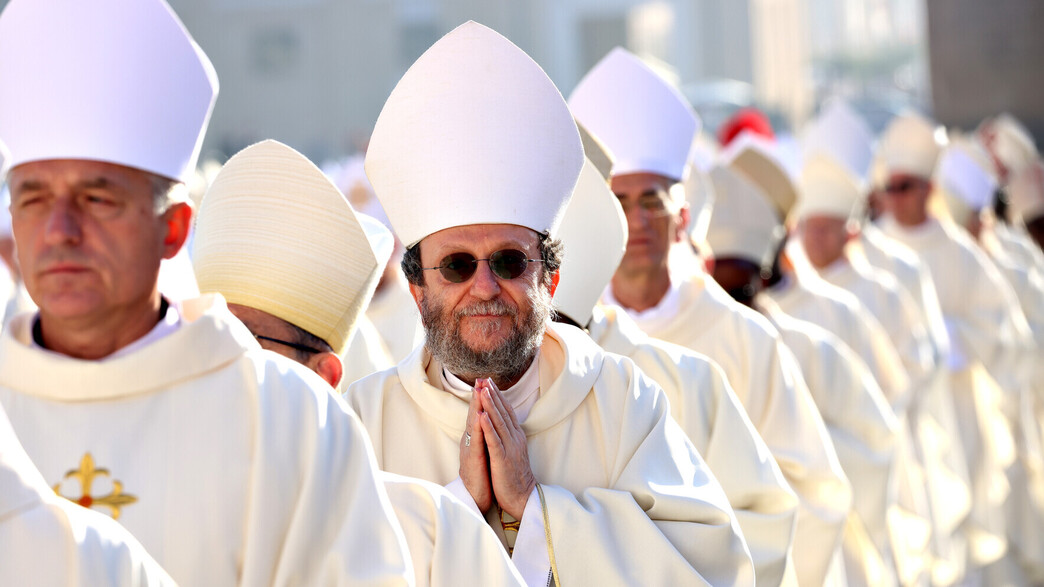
x=658 y=317
x=170 y=320
x=522 y=395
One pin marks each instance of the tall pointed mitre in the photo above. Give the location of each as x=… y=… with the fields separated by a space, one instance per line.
x=106 y=80
x=826 y=188
x=842 y=133
x=1011 y=142
x=964 y=178
x=755 y=157
x=642 y=118
x=594 y=234
x=744 y=223
x=1026 y=192
x=275 y=234
x=908 y=145
x=474 y=133
x=596 y=152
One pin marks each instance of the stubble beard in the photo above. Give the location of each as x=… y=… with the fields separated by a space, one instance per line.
x=504 y=363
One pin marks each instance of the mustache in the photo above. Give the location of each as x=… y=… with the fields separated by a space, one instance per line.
x=62 y=255
x=491 y=307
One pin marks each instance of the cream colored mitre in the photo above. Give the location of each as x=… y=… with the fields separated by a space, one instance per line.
x=744 y=224
x=275 y=234
x=826 y=188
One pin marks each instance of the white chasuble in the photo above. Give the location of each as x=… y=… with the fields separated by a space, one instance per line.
x=48 y=540
x=866 y=434
x=988 y=334
x=842 y=314
x=767 y=380
x=230 y=464
x=897 y=312
x=394 y=315
x=623 y=495
x=931 y=416
x=1025 y=507
x=449 y=543
x=366 y=353
x=706 y=408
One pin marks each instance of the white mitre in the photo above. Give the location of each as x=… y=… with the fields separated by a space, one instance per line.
x=474 y=133
x=596 y=152
x=755 y=157
x=594 y=234
x=840 y=132
x=641 y=117
x=382 y=241
x=699 y=194
x=1012 y=143
x=964 y=178
x=1026 y=193
x=826 y=188
x=275 y=234
x=106 y=80
x=744 y=224
x=908 y=145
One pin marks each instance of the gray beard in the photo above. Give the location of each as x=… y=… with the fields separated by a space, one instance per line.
x=504 y=364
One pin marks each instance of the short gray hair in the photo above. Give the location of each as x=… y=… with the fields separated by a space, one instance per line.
x=166 y=192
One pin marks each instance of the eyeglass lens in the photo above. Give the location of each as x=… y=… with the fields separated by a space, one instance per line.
x=505 y=264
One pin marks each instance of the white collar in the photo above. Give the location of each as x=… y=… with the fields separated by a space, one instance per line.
x=522 y=395
x=656 y=318
x=168 y=325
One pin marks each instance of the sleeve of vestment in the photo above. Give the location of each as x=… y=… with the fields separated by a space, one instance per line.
x=449 y=543
x=320 y=505
x=662 y=519
x=710 y=414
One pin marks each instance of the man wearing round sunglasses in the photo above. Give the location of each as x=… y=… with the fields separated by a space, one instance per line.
x=301 y=291
x=569 y=452
x=649 y=128
x=986 y=329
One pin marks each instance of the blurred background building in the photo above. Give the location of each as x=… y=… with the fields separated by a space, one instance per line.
x=315 y=73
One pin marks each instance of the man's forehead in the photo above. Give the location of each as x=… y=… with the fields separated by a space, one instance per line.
x=75 y=170
x=641 y=182
x=481 y=236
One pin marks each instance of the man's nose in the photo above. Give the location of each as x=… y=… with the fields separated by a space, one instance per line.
x=484 y=284
x=64 y=223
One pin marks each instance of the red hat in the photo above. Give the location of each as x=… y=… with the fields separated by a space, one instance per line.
x=746 y=119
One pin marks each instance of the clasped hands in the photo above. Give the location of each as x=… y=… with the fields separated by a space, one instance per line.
x=504 y=475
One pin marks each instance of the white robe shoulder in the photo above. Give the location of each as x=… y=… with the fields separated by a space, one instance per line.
x=48 y=540
x=704 y=405
x=204 y=427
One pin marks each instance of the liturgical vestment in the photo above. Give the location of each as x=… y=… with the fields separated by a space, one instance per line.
x=767 y=380
x=230 y=464
x=622 y=495
x=706 y=408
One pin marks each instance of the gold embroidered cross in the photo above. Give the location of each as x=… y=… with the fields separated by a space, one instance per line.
x=115 y=500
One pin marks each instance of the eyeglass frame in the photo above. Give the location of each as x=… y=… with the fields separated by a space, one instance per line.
x=443 y=265
x=293 y=345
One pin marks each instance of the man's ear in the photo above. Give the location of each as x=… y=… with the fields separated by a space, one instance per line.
x=176 y=220
x=328 y=366
x=682 y=229
x=554 y=281
x=417 y=292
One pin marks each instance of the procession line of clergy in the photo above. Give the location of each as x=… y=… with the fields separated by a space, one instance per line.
x=586 y=401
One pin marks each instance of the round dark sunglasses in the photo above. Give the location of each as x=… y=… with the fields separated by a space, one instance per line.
x=505 y=264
